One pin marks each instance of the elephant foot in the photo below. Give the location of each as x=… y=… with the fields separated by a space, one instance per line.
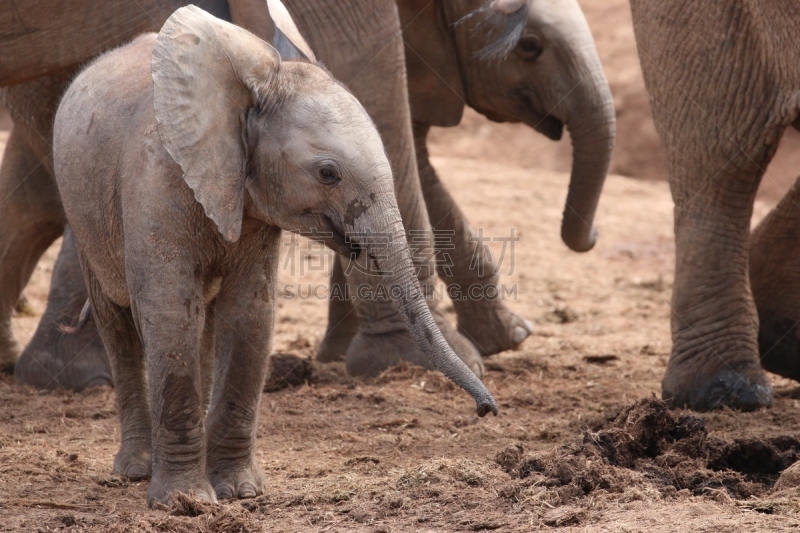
x=231 y=482
x=163 y=486
x=493 y=330
x=370 y=353
x=133 y=461
x=337 y=339
x=54 y=359
x=779 y=345
x=742 y=386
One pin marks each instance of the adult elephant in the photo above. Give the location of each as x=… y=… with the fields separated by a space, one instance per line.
x=724 y=85
x=513 y=61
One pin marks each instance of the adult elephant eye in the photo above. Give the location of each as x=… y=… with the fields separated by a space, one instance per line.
x=529 y=48
x=328 y=176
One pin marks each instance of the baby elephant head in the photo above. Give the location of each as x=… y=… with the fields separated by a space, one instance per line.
x=282 y=142
x=531 y=61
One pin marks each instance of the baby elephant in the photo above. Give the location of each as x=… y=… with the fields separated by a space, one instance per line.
x=178 y=158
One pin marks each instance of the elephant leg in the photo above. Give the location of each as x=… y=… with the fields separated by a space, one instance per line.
x=126 y=358
x=169 y=313
x=30 y=208
x=714 y=360
x=464 y=266
x=32 y=218
x=244 y=323
x=342 y=319
x=55 y=358
x=775 y=281
x=378 y=80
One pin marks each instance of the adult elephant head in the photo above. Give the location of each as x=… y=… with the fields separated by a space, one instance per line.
x=531 y=61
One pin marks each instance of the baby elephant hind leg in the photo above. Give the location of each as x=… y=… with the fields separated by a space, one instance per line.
x=121 y=340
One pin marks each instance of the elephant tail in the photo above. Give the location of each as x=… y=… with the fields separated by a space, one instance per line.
x=83 y=318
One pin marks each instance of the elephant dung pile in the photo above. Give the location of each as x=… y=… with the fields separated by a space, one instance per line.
x=287 y=370
x=648 y=450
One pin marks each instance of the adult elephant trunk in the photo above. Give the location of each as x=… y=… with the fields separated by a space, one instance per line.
x=379 y=231
x=592 y=126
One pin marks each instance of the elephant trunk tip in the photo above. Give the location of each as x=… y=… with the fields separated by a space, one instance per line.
x=579 y=239
x=487 y=405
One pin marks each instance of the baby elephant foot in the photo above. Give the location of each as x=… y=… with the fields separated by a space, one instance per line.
x=163 y=486
x=232 y=482
x=369 y=354
x=133 y=461
x=494 y=330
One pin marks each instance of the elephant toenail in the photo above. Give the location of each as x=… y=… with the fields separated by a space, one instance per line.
x=246 y=490
x=528 y=325
x=520 y=334
x=136 y=472
x=205 y=497
x=224 y=493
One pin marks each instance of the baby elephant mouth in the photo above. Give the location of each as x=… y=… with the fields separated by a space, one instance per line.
x=331 y=237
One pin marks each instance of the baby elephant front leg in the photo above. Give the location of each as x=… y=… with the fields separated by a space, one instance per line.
x=244 y=321
x=171 y=321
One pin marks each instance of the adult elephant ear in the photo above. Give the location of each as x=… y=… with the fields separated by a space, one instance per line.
x=206 y=73
x=435 y=88
x=288 y=40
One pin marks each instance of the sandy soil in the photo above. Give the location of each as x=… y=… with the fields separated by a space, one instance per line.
x=580 y=444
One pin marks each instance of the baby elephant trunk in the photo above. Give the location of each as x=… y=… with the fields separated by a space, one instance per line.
x=379 y=231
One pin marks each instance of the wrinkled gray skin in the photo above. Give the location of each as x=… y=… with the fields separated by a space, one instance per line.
x=189 y=185
x=346 y=35
x=724 y=82
x=514 y=61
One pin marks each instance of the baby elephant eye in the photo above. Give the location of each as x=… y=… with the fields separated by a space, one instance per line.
x=328 y=176
x=529 y=48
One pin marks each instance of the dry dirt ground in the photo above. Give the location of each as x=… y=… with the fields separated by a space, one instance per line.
x=580 y=443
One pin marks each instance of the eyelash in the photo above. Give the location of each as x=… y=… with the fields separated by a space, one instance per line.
x=329 y=176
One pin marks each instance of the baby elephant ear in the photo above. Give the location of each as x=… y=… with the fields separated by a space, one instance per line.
x=205 y=74
x=288 y=40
